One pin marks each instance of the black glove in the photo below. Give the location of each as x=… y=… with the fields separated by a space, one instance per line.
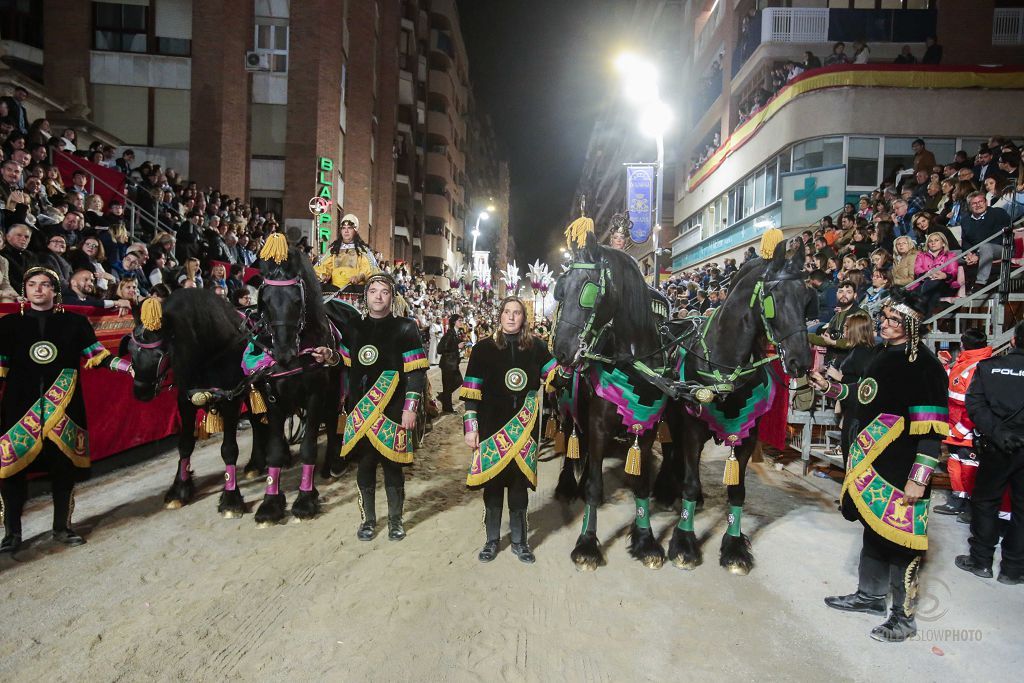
x=1012 y=442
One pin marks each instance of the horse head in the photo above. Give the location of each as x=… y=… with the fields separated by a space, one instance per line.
x=283 y=301
x=586 y=304
x=782 y=297
x=151 y=359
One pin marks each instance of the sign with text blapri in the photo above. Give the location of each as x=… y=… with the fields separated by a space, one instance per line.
x=640 y=200
x=809 y=194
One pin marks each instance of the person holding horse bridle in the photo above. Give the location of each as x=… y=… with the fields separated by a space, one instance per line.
x=350 y=262
x=500 y=392
x=386 y=378
x=900 y=417
x=42 y=411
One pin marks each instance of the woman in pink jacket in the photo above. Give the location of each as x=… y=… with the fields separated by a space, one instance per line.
x=941 y=265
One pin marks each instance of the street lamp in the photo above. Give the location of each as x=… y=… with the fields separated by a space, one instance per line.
x=482 y=216
x=640 y=78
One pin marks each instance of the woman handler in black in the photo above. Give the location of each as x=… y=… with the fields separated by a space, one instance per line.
x=502 y=398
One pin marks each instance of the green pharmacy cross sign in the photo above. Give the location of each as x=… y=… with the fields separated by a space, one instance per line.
x=810 y=194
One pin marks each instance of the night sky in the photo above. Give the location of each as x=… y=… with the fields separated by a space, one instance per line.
x=540 y=68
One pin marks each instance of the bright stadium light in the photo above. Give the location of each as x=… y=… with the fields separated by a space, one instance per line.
x=655 y=119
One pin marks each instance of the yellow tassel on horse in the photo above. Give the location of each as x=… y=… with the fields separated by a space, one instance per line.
x=256 y=403
x=275 y=248
x=151 y=314
x=572 y=448
x=731 y=476
x=213 y=422
x=633 y=457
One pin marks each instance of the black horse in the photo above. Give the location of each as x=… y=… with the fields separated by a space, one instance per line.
x=293 y=323
x=727 y=353
x=603 y=324
x=199 y=337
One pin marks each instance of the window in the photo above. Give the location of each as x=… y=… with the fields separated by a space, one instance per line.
x=817 y=153
x=272 y=39
x=171 y=118
x=122 y=110
x=862 y=162
x=269 y=122
x=119 y=28
x=771 y=187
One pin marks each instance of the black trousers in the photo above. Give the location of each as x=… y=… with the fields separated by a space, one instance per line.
x=888 y=569
x=997 y=470
x=63 y=475
x=451 y=380
x=366 y=470
x=518 y=490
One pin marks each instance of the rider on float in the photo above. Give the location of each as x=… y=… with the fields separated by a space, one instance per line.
x=350 y=262
x=386 y=375
x=619 y=237
x=901 y=413
x=42 y=414
x=500 y=392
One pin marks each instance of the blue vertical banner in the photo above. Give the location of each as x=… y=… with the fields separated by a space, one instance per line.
x=640 y=200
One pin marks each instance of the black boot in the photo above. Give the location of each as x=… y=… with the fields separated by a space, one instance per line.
x=897 y=628
x=492 y=524
x=11 y=503
x=969 y=564
x=517 y=525
x=965 y=516
x=954 y=506
x=368 y=512
x=858 y=602
x=63 y=508
x=396 y=501
x=10 y=544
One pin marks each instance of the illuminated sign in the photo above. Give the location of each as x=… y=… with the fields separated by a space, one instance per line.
x=325 y=191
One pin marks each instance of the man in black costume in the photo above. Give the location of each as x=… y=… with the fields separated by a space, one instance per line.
x=901 y=417
x=386 y=376
x=451 y=352
x=42 y=412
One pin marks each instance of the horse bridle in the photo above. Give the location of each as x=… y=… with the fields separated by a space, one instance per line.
x=291 y=282
x=163 y=363
x=590 y=296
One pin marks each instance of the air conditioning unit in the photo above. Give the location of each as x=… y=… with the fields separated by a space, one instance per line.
x=257 y=61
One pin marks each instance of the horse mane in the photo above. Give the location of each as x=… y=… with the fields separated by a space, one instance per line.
x=201 y=326
x=634 y=310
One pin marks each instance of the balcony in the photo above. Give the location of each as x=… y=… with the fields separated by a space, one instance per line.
x=439 y=166
x=440 y=84
x=1008 y=26
x=406 y=90
x=436 y=206
x=440 y=126
x=436 y=246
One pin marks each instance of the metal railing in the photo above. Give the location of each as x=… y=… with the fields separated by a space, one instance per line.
x=1008 y=26
x=794 y=25
x=134 y=209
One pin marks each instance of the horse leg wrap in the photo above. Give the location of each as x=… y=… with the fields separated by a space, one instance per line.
x=643 y=513
x=184 y=465
x=589 y=520
x=686 y=515
x=230 y=481
x=735 y=515
x=273 y=480
x=306 y=484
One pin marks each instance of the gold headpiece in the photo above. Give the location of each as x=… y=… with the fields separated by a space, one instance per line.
x=275 y=248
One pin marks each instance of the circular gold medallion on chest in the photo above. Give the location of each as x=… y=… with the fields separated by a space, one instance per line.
x=43 y=352
x=368 y=354
x=867 y=390
x=515 y=379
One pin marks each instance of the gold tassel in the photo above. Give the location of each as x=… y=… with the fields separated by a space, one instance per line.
x=732 y=470
x=633 y=457
x=559 y=442
x=275 y=248
x=551 y=429
x=572 y=449
x=213 y=422
x=771 y=238
x=341 y=423
x=201 y=432
x=664 y=434
x=256 y=403
x=151 y=314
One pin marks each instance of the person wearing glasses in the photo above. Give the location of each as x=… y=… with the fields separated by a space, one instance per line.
x=899 y=421
x=350 y=262
x=981 y=222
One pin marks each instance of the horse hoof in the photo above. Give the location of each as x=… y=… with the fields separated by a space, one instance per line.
x=653 y=561
x=738 y=569
x=231 y=504
x=587 y=554
x=271 y=511
x=173 y=505
x=683 y=563
x=230 y=514
x=735 y=555
x=306 y=505
x=586 y=564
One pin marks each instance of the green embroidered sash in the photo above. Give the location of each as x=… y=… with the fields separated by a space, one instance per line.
x=881 y=504
x=23 y=441
x=514 y=441
x=368 y=419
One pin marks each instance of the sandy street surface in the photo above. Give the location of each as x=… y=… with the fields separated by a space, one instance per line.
x=186 y=595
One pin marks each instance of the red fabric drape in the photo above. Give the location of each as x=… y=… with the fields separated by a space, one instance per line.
x=771 y=429
x=68 y=164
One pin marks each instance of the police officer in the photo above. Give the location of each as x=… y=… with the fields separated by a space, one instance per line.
x=995 y=404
